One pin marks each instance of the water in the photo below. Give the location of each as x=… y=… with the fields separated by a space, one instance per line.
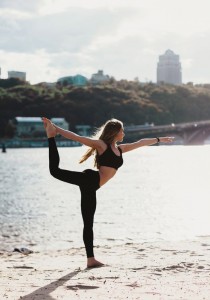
x=160 y=193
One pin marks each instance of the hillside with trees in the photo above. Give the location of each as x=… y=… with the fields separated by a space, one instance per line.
x=129 y=101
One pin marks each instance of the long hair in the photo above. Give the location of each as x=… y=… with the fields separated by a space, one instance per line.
x=106 y=133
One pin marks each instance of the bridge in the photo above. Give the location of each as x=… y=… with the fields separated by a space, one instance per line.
x=192 y=133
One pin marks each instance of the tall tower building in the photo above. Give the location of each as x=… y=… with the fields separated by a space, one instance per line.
x=169 y=68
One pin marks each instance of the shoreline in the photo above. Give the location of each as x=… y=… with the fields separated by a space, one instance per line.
x=150 y=270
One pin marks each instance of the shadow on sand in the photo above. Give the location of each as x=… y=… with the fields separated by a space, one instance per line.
x=45 y=291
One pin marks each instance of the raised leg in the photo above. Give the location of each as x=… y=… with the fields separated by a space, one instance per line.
x=72 y=177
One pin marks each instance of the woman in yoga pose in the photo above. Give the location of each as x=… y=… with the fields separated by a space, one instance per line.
x=108 y=158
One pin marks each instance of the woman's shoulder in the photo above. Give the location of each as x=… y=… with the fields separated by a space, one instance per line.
x=120 y=149
x=102 y=146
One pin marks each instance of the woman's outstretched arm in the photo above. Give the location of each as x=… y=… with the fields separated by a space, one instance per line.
x=93 y=143
x=145 y=142
x=87 y=141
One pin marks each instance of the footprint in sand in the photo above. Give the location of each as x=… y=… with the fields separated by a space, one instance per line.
x=81 y=287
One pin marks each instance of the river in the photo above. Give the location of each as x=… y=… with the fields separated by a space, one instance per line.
x=160 y=193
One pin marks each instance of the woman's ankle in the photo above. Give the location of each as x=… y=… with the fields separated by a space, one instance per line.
x=93 y=263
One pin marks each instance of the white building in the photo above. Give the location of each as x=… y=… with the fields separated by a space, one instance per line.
x=99 y=77
x=84 y=130
x=33 y=126
x=61 y=122
x=26 y=126
x=17 y=74
x=169 y=69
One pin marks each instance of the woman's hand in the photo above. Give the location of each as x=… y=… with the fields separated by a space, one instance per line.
x=166 y=139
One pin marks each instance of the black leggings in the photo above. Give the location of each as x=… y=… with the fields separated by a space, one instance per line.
x=88 y=181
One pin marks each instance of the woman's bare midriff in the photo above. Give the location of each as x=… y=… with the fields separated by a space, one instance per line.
x=106 y=173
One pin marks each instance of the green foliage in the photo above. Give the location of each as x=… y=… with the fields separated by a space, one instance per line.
x=8 y=83
x=129 y=101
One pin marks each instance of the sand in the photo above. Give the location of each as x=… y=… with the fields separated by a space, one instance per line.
x=158 y=270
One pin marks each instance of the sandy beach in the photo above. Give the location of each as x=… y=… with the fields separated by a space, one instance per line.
x=159 y=270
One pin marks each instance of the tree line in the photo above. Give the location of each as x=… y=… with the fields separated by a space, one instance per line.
x=130 y=101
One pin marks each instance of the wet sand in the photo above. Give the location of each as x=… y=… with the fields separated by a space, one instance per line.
x=159 y=270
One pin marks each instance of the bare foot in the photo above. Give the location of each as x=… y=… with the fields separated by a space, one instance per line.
x=50 y=129
x=93 y=263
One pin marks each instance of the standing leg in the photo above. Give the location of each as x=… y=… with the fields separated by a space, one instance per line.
x=88 y=207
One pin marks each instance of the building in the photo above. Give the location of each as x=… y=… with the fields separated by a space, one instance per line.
x=84 y=130
x=99 y=78
x=77 y=80
x=27 y=126
x=33 y=126
x=61 y=122
x=169 y=69
x=17 y=74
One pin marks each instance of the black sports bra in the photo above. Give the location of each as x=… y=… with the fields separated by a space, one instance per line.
x=109 y=159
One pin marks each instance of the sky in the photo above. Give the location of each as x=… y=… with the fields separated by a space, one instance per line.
x=49 y=39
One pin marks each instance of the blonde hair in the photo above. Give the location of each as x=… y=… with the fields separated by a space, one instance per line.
x=106 y=133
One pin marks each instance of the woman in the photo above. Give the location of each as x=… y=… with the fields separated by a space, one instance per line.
x=108 y=158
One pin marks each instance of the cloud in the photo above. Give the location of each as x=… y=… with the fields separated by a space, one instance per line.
x=21 y=5
x=68 y=31
x=122 y=37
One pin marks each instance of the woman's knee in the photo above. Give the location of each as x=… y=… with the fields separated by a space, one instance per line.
x=54 y=172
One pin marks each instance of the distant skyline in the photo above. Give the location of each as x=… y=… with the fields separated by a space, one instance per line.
x=49 y=39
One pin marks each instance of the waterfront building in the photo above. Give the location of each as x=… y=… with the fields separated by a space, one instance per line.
x=99 y=78
x=33 y=126
x=169 y=69
x=61 y=122
x=17 y=74
x=77 y=80
x=26 y=126
x=84 y=130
